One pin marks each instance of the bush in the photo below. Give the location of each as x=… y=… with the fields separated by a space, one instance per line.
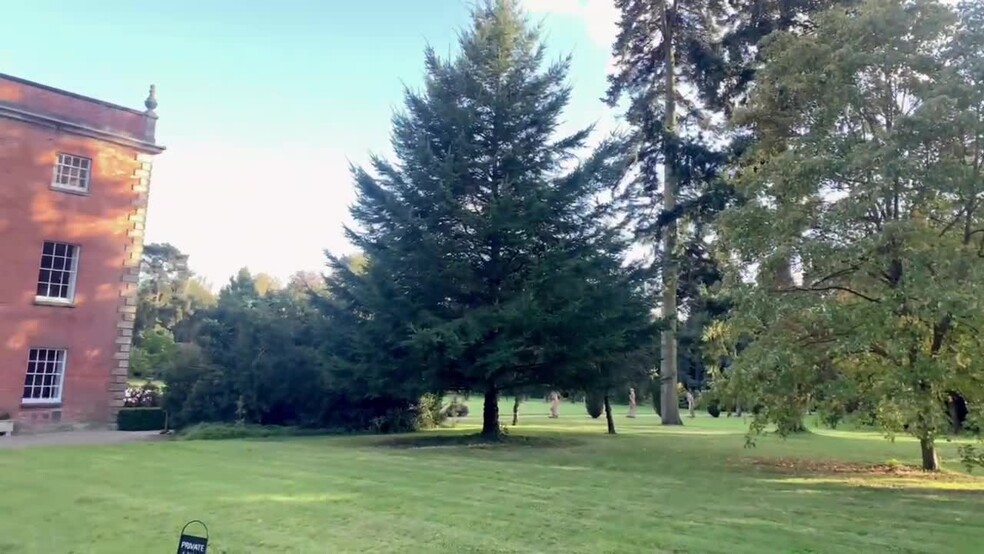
x=594 y=403
x=140 y=419
x=395 y=421
x=429 y=413
x=714 y=408
x=456 y=409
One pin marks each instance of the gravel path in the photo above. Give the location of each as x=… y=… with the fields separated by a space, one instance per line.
x=71 y=438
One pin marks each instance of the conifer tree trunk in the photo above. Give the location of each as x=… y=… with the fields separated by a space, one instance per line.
x=490 y=412
x=669 y=406
x=609 y=416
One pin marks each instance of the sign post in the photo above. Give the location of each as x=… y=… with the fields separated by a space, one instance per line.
x=193 y=544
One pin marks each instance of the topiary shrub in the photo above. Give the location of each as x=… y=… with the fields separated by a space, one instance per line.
x=140 y=419
x=456 y=408
x=594 y=403
x=713 y=408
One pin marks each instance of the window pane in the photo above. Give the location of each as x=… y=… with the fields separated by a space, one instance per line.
x=49 y=248
x=43 y=379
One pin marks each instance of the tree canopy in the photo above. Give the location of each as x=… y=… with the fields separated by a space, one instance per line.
x=866 y=179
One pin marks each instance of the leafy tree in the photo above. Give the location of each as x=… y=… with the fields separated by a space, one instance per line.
x=169 y=294
x=867 y=177
x=744 y=25
x=156 y=353
x=266 y=283
x=164 y=277
x=306 y=282
x=486 y=246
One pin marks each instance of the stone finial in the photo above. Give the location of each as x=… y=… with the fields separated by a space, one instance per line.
x=151 y=101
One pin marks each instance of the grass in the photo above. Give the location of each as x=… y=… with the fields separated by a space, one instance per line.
x=564 y=487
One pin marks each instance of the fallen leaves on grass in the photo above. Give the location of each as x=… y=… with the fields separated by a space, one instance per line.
x=834 y=467
x=892 y=475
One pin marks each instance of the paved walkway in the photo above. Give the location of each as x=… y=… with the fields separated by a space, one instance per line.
x=70 y=438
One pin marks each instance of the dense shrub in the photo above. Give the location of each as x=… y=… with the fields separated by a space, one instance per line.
x=154 y=354
x=714 y=408
x=456 y=408
x=140 y=419
x=264 y=360
x=429 y=412
x=594 y=403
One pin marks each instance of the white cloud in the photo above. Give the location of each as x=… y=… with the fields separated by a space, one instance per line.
x=599 y=17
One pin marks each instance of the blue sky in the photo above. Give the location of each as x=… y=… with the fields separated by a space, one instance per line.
x=264 y=104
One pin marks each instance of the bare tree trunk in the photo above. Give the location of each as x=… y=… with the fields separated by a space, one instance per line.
x=490 y=413
x=516 y=411
x=669 y=406
x=930 y=460
x=609 y=416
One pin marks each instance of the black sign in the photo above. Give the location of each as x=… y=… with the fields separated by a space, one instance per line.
x=191 y=544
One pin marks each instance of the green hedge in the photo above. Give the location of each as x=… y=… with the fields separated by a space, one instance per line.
x=140 y=419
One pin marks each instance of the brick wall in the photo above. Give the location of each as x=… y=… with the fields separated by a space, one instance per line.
x=106 y=223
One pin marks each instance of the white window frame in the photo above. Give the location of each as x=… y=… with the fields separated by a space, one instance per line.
x=61 y=367
x=66 y=164
x=72 y=278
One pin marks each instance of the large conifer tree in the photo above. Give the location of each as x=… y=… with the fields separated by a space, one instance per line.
x=664 y=49
x=487 y=252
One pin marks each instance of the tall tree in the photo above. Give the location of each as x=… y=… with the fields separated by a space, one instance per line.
x=663 y=52
x=162 y=298
x=867 y=177
x=485 y=246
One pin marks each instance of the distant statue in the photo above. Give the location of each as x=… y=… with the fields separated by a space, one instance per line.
x=691 y=402
x=554 y=404
x=632 y=402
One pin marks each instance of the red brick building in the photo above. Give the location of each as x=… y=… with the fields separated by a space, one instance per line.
x=74 y=178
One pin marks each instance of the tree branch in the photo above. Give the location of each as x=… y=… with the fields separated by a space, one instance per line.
x=829 y=288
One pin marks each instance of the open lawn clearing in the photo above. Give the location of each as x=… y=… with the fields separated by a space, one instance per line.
x=650 y=489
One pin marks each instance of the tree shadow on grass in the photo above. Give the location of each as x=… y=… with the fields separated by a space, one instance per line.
x=474 y=440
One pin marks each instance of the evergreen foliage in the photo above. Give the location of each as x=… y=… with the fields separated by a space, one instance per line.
x=488 y=248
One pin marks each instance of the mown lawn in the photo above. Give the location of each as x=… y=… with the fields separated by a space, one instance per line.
x=650 y=489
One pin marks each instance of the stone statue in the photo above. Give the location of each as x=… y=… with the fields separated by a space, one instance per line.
x=632 y=402
x=554 y=404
